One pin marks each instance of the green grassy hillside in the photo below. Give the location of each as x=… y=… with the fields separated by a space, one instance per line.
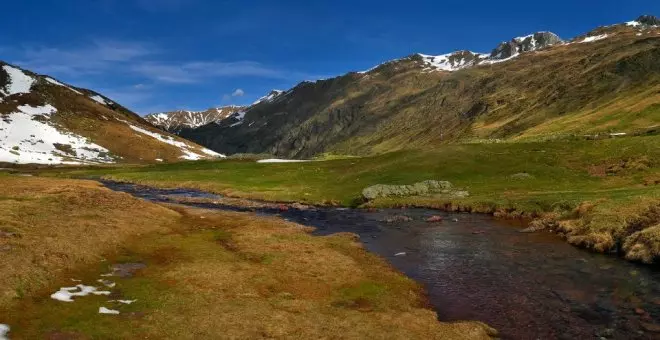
x=610 y=85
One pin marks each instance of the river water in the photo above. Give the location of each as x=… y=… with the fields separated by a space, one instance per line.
x=475 y=267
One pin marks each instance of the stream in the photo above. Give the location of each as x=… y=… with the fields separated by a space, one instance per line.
x=475 y=267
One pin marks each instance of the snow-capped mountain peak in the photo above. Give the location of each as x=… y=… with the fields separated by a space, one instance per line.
x=176 y=120
x=269 y=97
x=506 y=50
x=644 y=21
x=452 y=61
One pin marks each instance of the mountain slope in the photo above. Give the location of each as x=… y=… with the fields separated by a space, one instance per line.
x=45 y=121
x=536 y=86
x=176 y=120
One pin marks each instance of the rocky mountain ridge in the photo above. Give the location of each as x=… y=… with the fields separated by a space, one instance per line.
x=533 y=86
x=176 y=120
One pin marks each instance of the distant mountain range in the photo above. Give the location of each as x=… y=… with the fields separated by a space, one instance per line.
x=176 y=120
x=538 y=86
x=532 y=87
x=45 y=121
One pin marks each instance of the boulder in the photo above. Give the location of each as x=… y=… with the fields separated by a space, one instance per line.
x=433 y=219
x=301 y=207
x=398 y=218
x=417 y=189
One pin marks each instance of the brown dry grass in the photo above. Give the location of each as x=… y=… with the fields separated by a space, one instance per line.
x=50 y=226
x=209 y=274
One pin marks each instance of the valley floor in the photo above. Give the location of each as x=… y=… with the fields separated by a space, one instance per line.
x=603 y=195
x=182 y=273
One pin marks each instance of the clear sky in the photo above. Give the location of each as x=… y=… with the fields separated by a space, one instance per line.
x=157 y=55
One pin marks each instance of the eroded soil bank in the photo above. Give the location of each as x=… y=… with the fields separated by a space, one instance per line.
x=528 y=286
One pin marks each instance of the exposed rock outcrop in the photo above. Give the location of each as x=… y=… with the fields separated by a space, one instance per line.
x=528 y=43
x=418 y=189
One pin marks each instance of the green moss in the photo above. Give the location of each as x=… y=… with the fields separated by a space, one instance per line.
x=364 y=295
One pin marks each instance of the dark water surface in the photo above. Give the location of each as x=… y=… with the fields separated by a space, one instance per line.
x=528 y=286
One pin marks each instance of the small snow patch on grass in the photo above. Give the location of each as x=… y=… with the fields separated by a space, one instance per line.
x=594 y=38
x=103 y=310
x=188 y=154
x=212 y=153
x=99 y=100
x=106 y=283
x=55 y=82
x=4 y=330
x=126 y=302
x=66 y=294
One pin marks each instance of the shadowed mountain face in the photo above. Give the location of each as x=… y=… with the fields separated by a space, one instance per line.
x=45 y=121
x=606 y=81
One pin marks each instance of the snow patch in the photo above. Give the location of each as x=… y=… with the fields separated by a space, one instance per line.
x=269 y=97
x=212 y=153
x=100 y=100
x=103 y=310
x=240 y=116
x=4 y=330
x=106 y=283
x=66 y=294
x=594 y=38
x=191 y=119
x=521 y=39
x=633 y=23
x=28 y=136
x=55 y=82
x=19 y=82
x=126 y=302
x=188 y=154
x=276 y=160
x=451 y=61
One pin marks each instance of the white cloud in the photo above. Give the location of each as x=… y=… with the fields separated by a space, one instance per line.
x=198 y=71
x=132 y=73
x=138 y=60
x=98 y=57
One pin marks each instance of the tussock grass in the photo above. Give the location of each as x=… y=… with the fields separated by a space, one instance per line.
x=208 y=275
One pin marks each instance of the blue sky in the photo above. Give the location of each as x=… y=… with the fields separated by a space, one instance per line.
x=157 y=55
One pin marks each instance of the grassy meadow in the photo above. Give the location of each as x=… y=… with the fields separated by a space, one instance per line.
x=597 y=189
x=206 y=274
